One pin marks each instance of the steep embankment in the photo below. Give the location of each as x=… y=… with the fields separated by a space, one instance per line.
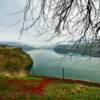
x=14 y=59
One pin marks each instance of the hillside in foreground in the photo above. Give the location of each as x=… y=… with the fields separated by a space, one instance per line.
x=46 y=88
x=14 y=59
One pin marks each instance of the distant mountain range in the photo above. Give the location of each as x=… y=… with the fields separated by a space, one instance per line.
x=19 y=45
x=84 y=49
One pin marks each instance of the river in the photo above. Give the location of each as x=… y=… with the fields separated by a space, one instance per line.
x=49 y=63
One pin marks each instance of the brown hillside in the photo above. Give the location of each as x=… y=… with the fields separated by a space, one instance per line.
x=14 y=59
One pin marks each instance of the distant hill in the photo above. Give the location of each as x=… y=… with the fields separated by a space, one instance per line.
x=62 y=49
x=19 y=45
x=83 y=49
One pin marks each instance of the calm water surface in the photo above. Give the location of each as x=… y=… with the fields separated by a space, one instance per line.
x=49 y=63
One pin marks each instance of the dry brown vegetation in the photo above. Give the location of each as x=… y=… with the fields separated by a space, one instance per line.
x=13 y=59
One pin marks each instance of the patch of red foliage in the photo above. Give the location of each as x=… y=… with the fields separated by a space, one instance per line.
x=32 y=87
x=37 y=87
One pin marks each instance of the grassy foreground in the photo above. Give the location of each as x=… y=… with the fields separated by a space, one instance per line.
x=46 y=88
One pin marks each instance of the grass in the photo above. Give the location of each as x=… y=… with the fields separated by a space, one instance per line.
x=30 y=78
x=36 y=88
x=73 y=91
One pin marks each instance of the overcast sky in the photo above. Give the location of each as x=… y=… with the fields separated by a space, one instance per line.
x=6 y=8
x=11 y=33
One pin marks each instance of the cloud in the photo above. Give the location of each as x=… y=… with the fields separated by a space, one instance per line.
x=12 y=33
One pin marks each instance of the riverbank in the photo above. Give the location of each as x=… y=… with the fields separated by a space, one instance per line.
x=48 y=88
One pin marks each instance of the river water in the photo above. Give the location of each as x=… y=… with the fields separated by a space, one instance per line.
x=49 y=63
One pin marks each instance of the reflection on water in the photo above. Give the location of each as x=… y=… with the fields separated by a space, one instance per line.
x=49 y=63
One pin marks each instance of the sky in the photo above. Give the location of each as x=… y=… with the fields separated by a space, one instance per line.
x=9 y=32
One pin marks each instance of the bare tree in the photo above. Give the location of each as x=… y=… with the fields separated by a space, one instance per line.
x=81 y=17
